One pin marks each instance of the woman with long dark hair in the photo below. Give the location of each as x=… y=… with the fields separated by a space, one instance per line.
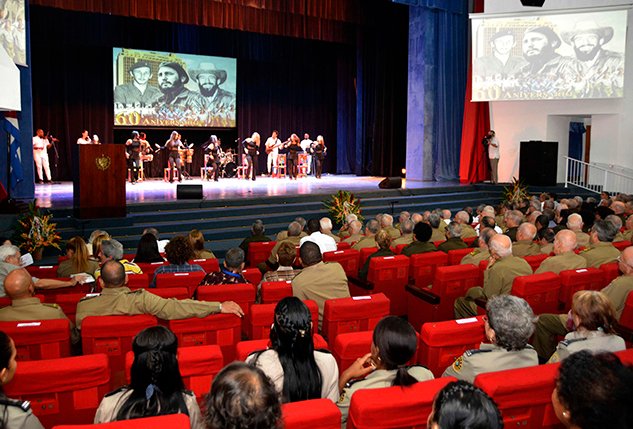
x=393 y=345
x=13 y=413
x=147 y=250
x=298 y=371
x=78 y=259
x=461 y=405
x=156 y=386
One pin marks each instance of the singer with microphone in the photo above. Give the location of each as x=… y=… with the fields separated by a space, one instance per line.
x=251 y=149
x=40 y=155
x=492 y=143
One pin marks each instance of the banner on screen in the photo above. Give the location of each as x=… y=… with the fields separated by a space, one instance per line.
x=549 y=57
x=162 y=89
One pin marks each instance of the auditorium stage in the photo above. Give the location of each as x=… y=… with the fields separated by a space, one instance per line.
x=60 y=195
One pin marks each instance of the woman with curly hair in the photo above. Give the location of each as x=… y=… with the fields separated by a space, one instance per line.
x=461 y=405
x=156 y=386
x=78 y=259
x=178 y=252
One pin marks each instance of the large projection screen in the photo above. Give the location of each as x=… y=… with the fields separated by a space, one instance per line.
x=13 y=30
x=162 y=89
x=576 y=55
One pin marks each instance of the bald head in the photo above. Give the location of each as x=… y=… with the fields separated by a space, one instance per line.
x=112 y=275
x=626 y=261
x=19 y=284
x=355 y=226
x=500 y=246
x=462 y=217
x=526 y=231
x=565 y=241
x=574 y=222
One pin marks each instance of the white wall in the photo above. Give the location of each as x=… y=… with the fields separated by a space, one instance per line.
x=611 y=120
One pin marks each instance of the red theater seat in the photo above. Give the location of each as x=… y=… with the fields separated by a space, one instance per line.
x=626 y=319
x=189 y=280
x=398 y=249
x=113 y=336
x=208 y=265
x=443 y=342
x=241 y=293
x=39 y=339
x=252 y=275
x=66 y=390
x=364 y=254
x=436 y=303
x=342 y=245
x=621 y=245
x=68 y=304
x=260 y=319
x=470 y=240
x=348 y=258
x=138 y=281
x=223 y=330
x=388 y=275
x=581 y=279
x=626 y=356
x=610 y=272
x=524 y=395
x=455 y=256
x=244 y=348
x=423 y=266
x=312 y=414
x=346 y=348
x=359 y=313
x=52 y=295
x=148 y=268
x=273 y=292
x=43 y=271
x=258 y=252
x=394 y=407
x=171 y=421
x=541 y=291
x=535 y=260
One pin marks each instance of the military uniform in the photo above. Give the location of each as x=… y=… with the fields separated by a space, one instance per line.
x=365 y=242
x=392 y=231
x=283 y=235
x=547 y=248
x=452 y=244
x=618 y=291
x=18 y=414
x=618 y=237
x=353 y=239
x=524 y=248
x=468 y=231
x=112 y=402
x=378 y=379
x=562 y=262
x=582 y=239
x=252 y=239
x=476 y=256
x=319 y=283
x=600 y=253
x=122 y=301
x=295 y=241
x=65 y=269
x=418 y=247
x=594 y=341
x=403 y=239
x=628 y=235
x=490 y=358
x=498 y=279
x=512 y=233
x=437 y=234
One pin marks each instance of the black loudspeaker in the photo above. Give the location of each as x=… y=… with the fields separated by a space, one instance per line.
x=538 y=163
x=189 y=192
x=391 y=183
x=535 y=3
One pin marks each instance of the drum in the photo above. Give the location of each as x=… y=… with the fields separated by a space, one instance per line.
x=230 y=169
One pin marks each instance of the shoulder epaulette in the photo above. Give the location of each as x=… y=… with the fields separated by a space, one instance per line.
x=51 y=305
x=352 y=382
x=23 y=405
x=114 y=392
x=86 y=298
x=135 y=291
x=476 y=351
x=567 y=343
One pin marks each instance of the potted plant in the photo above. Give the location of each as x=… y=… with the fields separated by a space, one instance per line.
x=36 y=232
x=341 y=204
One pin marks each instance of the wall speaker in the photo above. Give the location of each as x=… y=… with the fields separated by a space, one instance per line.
x=189 y=192
x=534 y=3
x=538 y=163
x=391 y=183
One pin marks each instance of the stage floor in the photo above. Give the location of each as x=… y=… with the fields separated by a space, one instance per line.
x=60 y=195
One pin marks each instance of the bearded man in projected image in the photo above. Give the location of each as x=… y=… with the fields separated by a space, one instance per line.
x=220 y=101
x=172 y=78
x=137 y=93
x=501 y=62
x=603 y=70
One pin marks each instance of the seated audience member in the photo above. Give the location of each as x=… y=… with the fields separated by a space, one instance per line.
x=196 y=239
x=406 y=233
x=294 y=237
x=422 y=233
x=594 y=326
x=393 y=344
x=96 y=246
x=156 y=386
x=78 y=259
x=283 y=235
x=161 y=243
x=593 y=391
x=13 y=412
x=257 y=236
x=512 y=220
x=404 y=215
x=297 y=370
x=502 y=268
x=112 y=250
x=509 y=326
x=619 y=208
x=525 y=245
x=10 y=261
x=482 y=253
x=446 y=216
x=326 y=228
x=178 y=252
x=369 y=239
x=325 y=242
x=453 y=238
x=344 y=231
x=575 y=224
x=354 y=231
x=438 y=228
x=94 y=234
x=386 y=224
x=564 y=256
x=489 y=222
x=417 y=217
x=242 y=397
x=286 y=255
x=545 y=239
x=542 y=221
x=319 y=281
x=116 y=299
x=230 y=270
x=463 y=219
x=461 y=405
x=147 y=250
x=601 y=249
x=628 y=233
x=383 y=239
x=617 y=222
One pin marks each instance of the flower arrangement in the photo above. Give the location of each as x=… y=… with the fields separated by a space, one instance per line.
x=516 y=193
x=341 y=204
x=36 y=231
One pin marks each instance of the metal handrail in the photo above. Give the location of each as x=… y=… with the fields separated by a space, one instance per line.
x=595 y=178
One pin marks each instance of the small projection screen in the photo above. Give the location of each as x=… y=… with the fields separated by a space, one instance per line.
x=163 y=89
x=575 y=55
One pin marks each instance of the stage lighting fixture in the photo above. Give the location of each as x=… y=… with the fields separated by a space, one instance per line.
x=534 y=3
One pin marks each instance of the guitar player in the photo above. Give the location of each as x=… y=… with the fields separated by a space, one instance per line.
x=272 y=149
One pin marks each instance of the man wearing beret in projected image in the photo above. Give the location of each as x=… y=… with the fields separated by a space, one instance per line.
x=539 y=50
x=172 y=78
x=209 y=79
x=603 y=69
x=138 y=92
x=500 y=61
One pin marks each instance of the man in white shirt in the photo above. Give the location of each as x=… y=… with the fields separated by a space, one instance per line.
x=306 y=144
x=493 y=155
x=40 y=155
x=272 y=149
x=325 y=242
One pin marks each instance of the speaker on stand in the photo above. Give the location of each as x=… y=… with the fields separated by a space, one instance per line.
x=189 y=192
x=394 y=182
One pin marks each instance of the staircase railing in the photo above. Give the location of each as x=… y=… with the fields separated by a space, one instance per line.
x=596 y=178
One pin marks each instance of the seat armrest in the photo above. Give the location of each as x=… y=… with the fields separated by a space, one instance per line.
x=423 y=294
x=363 y=284
x=481 y=302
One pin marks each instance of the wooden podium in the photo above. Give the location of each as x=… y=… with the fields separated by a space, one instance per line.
x=99 y=190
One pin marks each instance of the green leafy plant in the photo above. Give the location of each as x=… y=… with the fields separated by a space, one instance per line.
x=516 y=193
x=342 y=204
x=36 y=231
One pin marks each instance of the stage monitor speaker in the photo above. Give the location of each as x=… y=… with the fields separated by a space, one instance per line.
x=189 y=192
x=394 y=182
x=535 y=3
x=538 y=163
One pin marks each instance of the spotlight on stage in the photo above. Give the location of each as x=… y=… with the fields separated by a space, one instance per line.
x=404 y=172
x=534 y=3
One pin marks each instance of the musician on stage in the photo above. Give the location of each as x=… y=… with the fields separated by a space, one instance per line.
x=306 y=146
x=272 y=149
x=251 y=149
x=40 y=155
x=318 y=153
x=133 y=155
x=146 y=150
x=293 y=147
x=173 y=161
x=212 y=157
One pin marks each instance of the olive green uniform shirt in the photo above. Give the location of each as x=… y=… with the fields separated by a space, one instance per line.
x=418 y=247
x=628 y=235
x=403 y=239
x=594 y=341
x=273 y=253
x=582 y=238
x=600 y=253
x=525 y=248
x=499 y=276
x=65 y=269
x=365 y=242
x=392 y=231
x=476 y=256
x=352 y=239
x=468 y=231
x=547 y=248
x=618 y=291
x=282 y=235
x=437 y=235
x=452 y=244
x=562 y=262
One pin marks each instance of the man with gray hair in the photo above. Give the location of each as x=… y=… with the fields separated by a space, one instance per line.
x=501 y=271
x=525 y=245
x=512 y=220
x=601 y=249
x=404 y=215
x=437 y=233
x=282 y=235
x=326 y=228
x=369 y=240
x=628 y=233
x=112 y=250
x=482 y=253
x=617 y=222
x=564 y=256
x=462 y=219
x=406 y=230
x=294 y=236
x=230 y=271
x=453 y=238
x=575 y=223
x=386 y=223
x=257 y=236
x=354 y=232
x=344 y=231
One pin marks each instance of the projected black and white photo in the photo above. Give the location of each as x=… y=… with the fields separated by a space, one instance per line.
x=173 y=90
x=549 y=57
x=13 y=30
